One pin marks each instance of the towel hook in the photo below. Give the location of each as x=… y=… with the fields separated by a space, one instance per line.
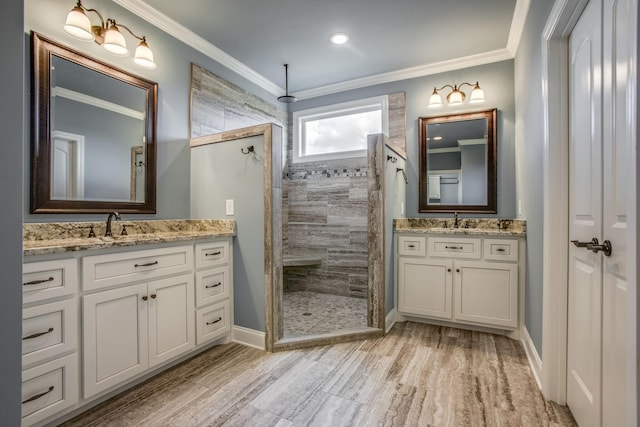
x=392 y=158
x=249 y=150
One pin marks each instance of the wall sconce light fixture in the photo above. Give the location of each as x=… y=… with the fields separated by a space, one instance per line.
x=107 y=35
x=456 y=97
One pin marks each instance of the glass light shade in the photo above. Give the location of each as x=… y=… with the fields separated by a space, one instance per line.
x=114 y=42
x=435 y=100
x=78 y=25
x=477 y=95
x=455 y=98
x=144 y=56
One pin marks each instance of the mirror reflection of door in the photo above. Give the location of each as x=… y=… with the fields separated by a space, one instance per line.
x=137 y=173
x=67 y=169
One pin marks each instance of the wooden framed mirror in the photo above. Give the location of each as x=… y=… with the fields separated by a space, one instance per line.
x=457 y=165
x=93 y=134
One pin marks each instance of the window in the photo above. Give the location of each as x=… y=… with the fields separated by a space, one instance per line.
x=337 y=131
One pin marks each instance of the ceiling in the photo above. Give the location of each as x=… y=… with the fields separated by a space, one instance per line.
x=390 y=40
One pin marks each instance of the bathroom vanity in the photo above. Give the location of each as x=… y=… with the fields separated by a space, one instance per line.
x=471 y=275
x=103 y=313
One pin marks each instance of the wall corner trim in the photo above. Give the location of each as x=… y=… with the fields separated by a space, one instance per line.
x=532 y=356
x=248 y=337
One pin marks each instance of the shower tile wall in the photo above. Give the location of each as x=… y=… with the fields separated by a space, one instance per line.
x=325 y=216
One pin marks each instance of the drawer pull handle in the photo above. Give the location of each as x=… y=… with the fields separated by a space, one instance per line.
x=149 y=264
x=213 y=286
x=213 y=253
x=37 y=282
x=453 y=247
x=38 y=334
x=500 y=250
x=215 y=321
x=39 y=395
x=411 y=246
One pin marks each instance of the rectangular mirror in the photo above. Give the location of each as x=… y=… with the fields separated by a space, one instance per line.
x=457 y=165
x=93 y=135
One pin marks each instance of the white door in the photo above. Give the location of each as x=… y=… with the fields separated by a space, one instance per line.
x=618 y=47
x=171 y=318
x=114 y=336
x=67 y=169
x=584 y=344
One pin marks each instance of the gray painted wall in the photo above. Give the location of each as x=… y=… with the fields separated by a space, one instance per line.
x=474 y=174
x=221 y=172
x=444 y=161
x=394 y=198
x=11 y=117
x=496 y=79
x=173 y=77
x=529 y=157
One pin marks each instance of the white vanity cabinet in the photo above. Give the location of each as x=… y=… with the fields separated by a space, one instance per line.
x=214 y=286
x=460 y=279
x=135 y=326
x=49 y=338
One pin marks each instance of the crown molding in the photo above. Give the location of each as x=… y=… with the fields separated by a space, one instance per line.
x=517 y=25
x=188 y=37
x=408 y=73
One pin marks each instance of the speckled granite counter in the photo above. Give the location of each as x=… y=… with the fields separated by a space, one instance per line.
x=466 y=226
x=55 y=237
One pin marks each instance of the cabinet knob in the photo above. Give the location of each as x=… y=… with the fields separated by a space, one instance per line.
x=457 y=270
x=144 y=298
x=153 y=296
x=449 y=270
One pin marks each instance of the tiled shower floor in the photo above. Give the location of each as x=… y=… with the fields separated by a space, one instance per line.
x=313 y=313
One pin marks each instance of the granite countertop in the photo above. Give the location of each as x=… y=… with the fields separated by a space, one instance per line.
x=56 y=237
x=466 y=226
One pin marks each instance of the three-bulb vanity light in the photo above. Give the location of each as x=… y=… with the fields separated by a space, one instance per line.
x=456 y=97
x=107 y=35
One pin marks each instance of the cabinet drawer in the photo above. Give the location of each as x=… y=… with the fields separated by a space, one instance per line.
x=49 y=279
x=454 y=247
x=501 y=249
x=49 y=330
x=212 y=322
x=212 y=285
x=102 y=271
x=212 y=254
x=411 y=245
x=49 y=388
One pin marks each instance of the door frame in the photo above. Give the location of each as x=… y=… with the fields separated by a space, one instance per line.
x=555 y=86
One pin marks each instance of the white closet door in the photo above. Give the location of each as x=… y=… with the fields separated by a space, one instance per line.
x=585 y=220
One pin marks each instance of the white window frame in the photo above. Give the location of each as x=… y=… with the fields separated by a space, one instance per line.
x=335 y=110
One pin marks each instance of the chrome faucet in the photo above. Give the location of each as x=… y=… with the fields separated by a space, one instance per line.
x=107 y=232
x=455 y=220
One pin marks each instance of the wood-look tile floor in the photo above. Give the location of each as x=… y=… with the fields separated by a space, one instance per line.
x=417 y=375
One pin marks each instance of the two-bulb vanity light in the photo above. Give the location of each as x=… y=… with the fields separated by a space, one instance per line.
x=456 y=97
x=107 y=35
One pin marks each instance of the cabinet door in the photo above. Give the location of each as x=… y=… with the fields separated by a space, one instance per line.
x=114 y=337
x=171 y=318
x=486 y=293
x=424 y=287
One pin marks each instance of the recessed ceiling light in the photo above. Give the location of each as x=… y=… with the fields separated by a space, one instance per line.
x=339 y=38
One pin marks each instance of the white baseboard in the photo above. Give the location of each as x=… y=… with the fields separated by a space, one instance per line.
x=248 y=337
x=532 y=355
x=390 y=320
